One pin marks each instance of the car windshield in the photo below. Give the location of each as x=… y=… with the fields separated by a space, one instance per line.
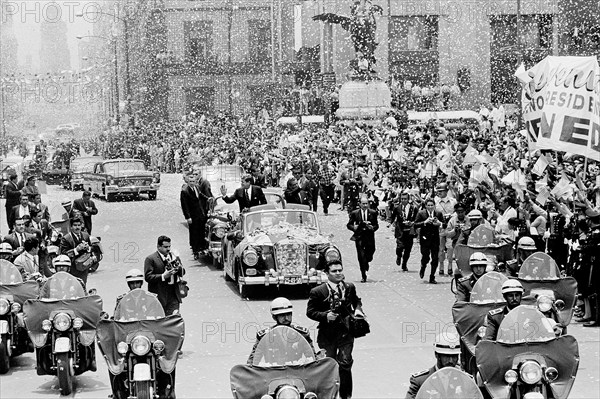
x=9 y=274
x=139 y=305
x=525 y=324
x=83 y=164
x=488 y=288
x=222 y=206
x=281 y=218
x=539 y=266
x=222 y=173
x=283 y=346
x=63 y=285
x=115 y=168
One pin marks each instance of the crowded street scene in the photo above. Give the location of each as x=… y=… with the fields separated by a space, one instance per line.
x=309 y=199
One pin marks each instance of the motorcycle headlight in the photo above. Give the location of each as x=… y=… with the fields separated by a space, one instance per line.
x=510 y=376
x=250 y=257
x=15 y=307
x=77 y=322
x=332 y=255
x=122 y=348
x=310 y=395
x=4 y=306
x=140 y=345
x=62 y=321
x=544 y=304
x=219 y=232
x=288 y=392
x=158 y=346
x=46 y=325
x=531 y=372
x=551 y=374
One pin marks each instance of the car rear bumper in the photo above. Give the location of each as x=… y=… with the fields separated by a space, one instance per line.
x=281 y=280
x=132 y=189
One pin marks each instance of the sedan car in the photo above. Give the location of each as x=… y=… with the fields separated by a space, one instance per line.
x=113 y=177
x=79 y=166
x=277 y=247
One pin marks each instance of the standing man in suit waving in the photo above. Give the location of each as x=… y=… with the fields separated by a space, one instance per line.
x=247 y=196
x=331 y=304
x=363 y=222
x=429 y=221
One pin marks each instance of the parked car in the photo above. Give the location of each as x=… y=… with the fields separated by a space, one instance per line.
x=79 y=166
x=279 y=247
x=112 y=177
x=55 y=171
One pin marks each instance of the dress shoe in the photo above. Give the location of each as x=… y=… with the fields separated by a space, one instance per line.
x=584 y=320
x=441 y=272
x=432 y=281
x=398 y=261
x=592 y=323
x=364 y=280
x=422 y=272
x=404 y=268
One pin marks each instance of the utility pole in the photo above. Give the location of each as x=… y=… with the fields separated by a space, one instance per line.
x=2 y=111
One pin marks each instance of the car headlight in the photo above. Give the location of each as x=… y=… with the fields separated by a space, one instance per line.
x=140 y=345
x=250 y=257
x=544 y=303
x=62 y=321
x=15 y=307
x=332 y=255
x=288 y=392
x=531 y=372
x=510 y=376
x=158 y=346
x=122 y=348
x=4 y=306
x=219 y=232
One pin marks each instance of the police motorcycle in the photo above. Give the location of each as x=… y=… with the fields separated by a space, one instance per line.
x=469 y=317
x=482 y=239
x=555 y=296
x=13 y=293
x=449 y=383
x=62 y=326
x=141 y=347
x=285 y=366
x=528 y=360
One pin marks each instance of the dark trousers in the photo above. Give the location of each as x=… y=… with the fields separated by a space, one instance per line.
x=327 y=194
x=314 y=197
x=342 y=353
x=430 y=250
x=404 y=246
x=196 y=231
x=365 y=255
x=171 y=306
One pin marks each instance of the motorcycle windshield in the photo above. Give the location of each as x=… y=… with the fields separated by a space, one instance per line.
x=62 y=285
x=449 y=383
x=539 y=266
x=480 y=237
x=9 y=274
x=283 y=346
x=564 y=289
x=139 y=305
x=494 y=253
x=488 y=288
x=525 y=324
x=468 y=318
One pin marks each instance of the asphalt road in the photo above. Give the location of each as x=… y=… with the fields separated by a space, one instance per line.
x=404 y=311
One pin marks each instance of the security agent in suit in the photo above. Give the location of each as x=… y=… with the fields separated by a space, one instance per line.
x=331 y=304
x=20 y=210
x=87 y=208
x=403 y=216
x=162 y=271
x=363 y=222
x=429 y=221
x=194 y=204
x=75 y=244
x=447 y=352
x=12 y=194
x=17 y=238
x=247 y=196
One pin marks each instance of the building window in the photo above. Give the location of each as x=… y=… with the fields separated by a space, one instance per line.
x=414 y=33
x=200 y=100
x=259 y=41
x=198 y=41
x=536 y=31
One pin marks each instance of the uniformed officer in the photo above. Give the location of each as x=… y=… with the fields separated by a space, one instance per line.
x=512 y=291
x=590 y=256
x=61 y=263
x=447 y=352
x=135 y=279
x=478 y=262
x=281 y=310
x=6 y=251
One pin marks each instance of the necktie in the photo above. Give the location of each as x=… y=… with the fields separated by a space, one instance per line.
x=22 y=236
x=406 y=211
x=364 y=215
x=247 y=197
x=196 y=192
x=339 y=290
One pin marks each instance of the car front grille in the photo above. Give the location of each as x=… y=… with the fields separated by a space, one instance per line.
x=291 y=257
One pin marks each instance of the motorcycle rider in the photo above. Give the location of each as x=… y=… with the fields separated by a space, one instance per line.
x=61 y=263
x=478 y=262
x=512 y=291
x=447 y=353
x=281 y=310
x=6 y=252
x=525 y=247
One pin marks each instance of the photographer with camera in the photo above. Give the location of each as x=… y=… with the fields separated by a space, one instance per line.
x=457 y=224
x=162 y=272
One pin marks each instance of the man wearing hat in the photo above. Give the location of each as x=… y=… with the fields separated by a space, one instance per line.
x=445 y=205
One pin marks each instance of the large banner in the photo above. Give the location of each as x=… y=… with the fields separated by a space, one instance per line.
x=561 y=104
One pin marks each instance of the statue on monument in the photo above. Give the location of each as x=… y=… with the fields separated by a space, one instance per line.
x=361 y=25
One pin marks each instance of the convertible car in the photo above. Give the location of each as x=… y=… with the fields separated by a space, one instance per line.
x=270 y=246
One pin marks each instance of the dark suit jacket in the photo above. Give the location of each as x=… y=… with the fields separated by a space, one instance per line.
x=79 y=205
x=67 y=247
x=320 y=303
x=14 y=215
x=14 y=241
x=357 y=225
x=257 y=198
x=399 y=218
x=429 y=232
x=195 y=206
x=13 y=193
x=154 y=267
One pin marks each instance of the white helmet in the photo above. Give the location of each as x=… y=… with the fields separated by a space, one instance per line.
x=281 y=305
x=511 y=285
x=134 y=275
x=478 y=258
x=447 y=343
x=61 y=260
x=527 y=244
x=5 y=248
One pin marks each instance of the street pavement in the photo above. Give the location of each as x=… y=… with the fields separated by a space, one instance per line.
x=404 y=311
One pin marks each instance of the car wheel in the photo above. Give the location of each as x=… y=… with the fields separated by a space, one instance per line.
x=4 y=356
x=110 y=197
x=216 y=261
x=152 y=195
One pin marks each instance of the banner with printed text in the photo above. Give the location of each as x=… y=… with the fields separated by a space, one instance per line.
x=561 y=104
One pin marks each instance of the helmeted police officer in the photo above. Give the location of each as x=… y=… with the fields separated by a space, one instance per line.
x=62 y=263
x=478 y=262
x=447 y=352
x=134 y=279
x=6 y=252
x=281 y=310
x=525 y=248
x=512 y=291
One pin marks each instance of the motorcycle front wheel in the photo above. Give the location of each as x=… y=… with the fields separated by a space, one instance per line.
x=64 y=370
x=143 y=390
x=4 y=357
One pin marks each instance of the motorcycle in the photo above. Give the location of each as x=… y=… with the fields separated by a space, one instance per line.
x=285 y=366
x=141 y=347
x=449 y=383
x=13 y=293
x=62 y=326
x=527 y=360
x=469 y=317
x=481 y=239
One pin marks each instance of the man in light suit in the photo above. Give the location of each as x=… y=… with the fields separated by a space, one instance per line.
x=87 y=208
x=363 y=222
x=75 y=244
x=429 y=221
x=28 y=262
x=247 y=196
x=403 y=217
